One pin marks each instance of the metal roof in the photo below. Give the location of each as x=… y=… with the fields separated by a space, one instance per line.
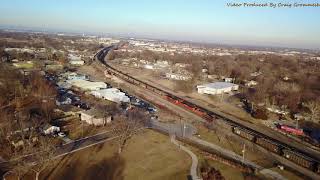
x=218 y=85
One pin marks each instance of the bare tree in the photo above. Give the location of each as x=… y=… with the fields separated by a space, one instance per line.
x=314 y=107
x=124 y=127
x=46 y=152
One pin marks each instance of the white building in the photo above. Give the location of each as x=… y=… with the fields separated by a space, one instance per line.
x=255 y=74
x=229 y=80
x=94 y=118
x=77 y=62
x=251 y=83
x=72 y=57
x=87 y=85
x=217 y=88
x=148 y=66
x=75 y=76
x=49 y=129
x=176 y=76
x=111 y=94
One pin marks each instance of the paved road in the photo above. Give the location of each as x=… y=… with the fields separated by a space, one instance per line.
x=194 y=158
x=181 y=130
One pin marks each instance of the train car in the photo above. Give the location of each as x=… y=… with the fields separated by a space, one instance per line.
x=173 y=99
x=269 y=145
x=299 y=159
x=159 y=92
x=199 y=112
x=291 y=130
x=208 y=118
x=244 y=133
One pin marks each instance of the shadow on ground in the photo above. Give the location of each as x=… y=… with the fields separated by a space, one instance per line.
x=107 y=169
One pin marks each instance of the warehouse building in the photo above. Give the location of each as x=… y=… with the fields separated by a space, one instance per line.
x=111 y=94
x=87 y=85
x=217 y=88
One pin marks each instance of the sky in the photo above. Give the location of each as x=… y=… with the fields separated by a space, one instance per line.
x=210 y=21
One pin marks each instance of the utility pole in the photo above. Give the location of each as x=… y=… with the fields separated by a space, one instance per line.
x=181 y=125
x=243 y=151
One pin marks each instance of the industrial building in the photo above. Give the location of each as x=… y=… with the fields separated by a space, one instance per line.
x=87 y=85
x=217 y=88
x=111 y=94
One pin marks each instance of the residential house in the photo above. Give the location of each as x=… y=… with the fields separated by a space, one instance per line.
x=251 y=83
x=49 y=129
x=77 y=63
x=176 y=76
x=228 y=80
x=95 y=117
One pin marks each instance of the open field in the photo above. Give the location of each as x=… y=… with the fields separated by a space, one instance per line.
x=149 y=155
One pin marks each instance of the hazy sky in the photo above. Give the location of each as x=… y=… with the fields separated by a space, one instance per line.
x=196 y=20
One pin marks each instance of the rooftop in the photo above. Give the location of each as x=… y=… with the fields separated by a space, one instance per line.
x=217 y=85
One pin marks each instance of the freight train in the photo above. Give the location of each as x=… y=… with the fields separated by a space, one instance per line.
x=245 y=132
x=279 y=149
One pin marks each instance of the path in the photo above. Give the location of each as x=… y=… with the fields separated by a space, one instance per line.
x=267 y=172
x=194 y=165
x=186 y=131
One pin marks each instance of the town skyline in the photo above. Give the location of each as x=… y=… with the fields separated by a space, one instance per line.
x=204 y=21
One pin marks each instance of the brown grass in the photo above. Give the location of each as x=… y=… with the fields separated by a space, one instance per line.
x=149 y=155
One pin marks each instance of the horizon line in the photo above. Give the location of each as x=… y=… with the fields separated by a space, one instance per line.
x=127 y=35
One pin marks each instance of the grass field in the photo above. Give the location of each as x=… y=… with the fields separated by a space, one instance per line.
x=149 y=155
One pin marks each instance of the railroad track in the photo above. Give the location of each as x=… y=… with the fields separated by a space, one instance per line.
x=273 y=145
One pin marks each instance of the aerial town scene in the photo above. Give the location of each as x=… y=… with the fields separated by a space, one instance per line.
x=126 y=90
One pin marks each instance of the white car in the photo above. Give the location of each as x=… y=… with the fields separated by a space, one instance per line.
x=61 y=134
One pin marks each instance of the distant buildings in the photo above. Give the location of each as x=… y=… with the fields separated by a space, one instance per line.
x=75 y=60
x=217 y=88
x=176 y=76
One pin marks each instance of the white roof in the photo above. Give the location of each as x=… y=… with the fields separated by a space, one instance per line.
x=113 y=94
x=87 y=84
x=217 y=85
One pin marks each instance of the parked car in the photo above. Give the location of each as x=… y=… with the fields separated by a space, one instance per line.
x=84 y=106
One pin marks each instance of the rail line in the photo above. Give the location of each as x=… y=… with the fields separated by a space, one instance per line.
x=273 y=145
